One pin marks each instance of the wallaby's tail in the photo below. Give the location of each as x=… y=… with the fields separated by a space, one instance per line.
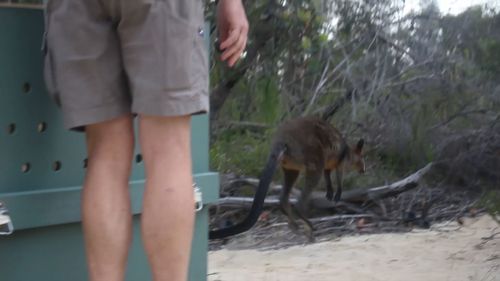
x=258 y=200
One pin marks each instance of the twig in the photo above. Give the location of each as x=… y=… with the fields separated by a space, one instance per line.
x=337 y=218
x=456 y=115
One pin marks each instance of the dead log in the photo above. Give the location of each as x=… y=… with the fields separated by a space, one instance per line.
x=318 y=200
x=364 y=195
x=331 y=219
x=246 y=202
x=343 y=218
x=239 y=183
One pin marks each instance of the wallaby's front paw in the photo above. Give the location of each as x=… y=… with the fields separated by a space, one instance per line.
x=294 y=227
x=329 y=195
x=337 y=196
x=310 y=235
x=309 y=231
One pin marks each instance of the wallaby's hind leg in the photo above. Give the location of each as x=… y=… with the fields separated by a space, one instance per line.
x=329 y=186
x=312 y=179
x=339 y=172
x=290 y=177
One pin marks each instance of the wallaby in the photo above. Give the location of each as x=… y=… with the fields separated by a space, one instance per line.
x=306 y=144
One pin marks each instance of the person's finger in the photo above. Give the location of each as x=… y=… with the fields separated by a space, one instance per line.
x=244 y=34
x=238 y=54
x=232 y=37
x=233 y=50
x=237 y=49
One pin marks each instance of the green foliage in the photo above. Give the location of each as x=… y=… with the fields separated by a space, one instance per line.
x=304 y=15
x=239 y=153
x=490 y=55
x=266 y=98
x=417 y=82
x=491 y=201
x=323 y=38
x=398 y=159
x=306 y=43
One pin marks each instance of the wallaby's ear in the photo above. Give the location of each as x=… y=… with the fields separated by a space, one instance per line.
x=359 y=146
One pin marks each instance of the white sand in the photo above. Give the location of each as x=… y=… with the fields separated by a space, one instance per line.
x=446 y=252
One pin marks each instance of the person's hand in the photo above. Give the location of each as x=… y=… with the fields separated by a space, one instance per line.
x=233 y=30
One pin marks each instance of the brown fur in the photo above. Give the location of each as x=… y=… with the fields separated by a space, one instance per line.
x=315 y=148
x=308 y=145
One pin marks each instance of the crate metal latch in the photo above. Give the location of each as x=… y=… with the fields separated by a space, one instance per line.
x=6 y=227
x=198 y=201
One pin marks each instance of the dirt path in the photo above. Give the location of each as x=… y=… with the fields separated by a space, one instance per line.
x=446 y=252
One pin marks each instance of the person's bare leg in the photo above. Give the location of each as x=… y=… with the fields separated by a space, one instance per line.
x=106 y=213
x=168 y=208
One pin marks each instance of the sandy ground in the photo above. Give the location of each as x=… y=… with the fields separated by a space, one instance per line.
x=446 y=252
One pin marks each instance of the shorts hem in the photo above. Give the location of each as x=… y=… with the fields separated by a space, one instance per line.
x=76 y=120
x=172 y=107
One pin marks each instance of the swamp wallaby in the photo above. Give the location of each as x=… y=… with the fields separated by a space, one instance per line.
x=306 y=144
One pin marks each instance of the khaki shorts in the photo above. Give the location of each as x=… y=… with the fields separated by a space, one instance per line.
x=107 y=58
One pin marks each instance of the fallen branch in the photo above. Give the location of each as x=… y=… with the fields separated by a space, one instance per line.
x=375 y=193
x=341 y=218
x=397 y=207
x=329 y=219
x=253 y=182
x=318 y=199
x=246 y=202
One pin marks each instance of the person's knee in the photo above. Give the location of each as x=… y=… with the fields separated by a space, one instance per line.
x=159 y=135
x=111 y=141
x=159 y=125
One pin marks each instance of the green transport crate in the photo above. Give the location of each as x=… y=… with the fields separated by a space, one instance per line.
x=42 y=167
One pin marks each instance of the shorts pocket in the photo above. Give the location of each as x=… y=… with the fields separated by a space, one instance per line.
x=50 y=81
x=178 y=54
x=48 y=67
